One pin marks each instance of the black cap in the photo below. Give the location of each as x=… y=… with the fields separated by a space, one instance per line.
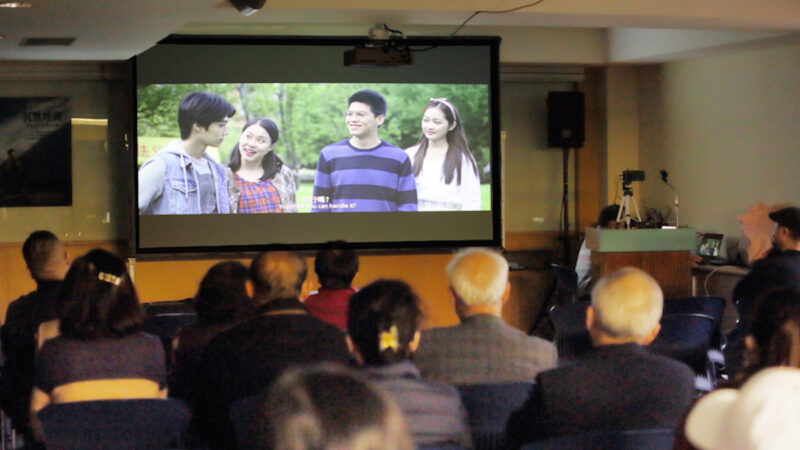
x=787 y=217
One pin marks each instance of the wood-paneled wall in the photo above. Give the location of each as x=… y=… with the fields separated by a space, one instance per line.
x=174 y=280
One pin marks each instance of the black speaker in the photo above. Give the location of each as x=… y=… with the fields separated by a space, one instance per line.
x=565 y=119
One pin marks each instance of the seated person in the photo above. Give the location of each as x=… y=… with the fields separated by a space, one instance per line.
x=607 y=220
x=330 y=407
x=382 y=321
x=47 y=263
x=221 y=302
x=617 y=386
x=483 y=348
x=102 y=352
x=774 y=338
x=248 y=358
x=336 y=266
x=762 y=415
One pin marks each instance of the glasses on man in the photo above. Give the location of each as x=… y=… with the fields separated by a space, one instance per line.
x=356 y=114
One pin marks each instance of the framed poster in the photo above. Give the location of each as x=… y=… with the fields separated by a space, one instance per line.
x=35 y=151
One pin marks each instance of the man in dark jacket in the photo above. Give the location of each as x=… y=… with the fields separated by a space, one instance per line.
x=619 y=385
x=48 y=264
x=246 y=359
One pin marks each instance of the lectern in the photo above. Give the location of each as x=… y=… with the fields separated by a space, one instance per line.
x=664 y=254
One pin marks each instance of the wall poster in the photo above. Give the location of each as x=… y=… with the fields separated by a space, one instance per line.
x=35 y=151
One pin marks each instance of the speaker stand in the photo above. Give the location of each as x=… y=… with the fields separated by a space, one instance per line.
x=565 y=205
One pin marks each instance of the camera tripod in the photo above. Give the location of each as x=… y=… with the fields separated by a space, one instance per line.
x=624 y=214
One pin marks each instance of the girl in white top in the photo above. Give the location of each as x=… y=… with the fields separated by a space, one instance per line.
x=445 y=170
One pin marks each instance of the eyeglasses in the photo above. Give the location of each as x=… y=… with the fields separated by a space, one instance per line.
x=357 y=114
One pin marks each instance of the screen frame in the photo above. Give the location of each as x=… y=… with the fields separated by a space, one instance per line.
x=492 y=43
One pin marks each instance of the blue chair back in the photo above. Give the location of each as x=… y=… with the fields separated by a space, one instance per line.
x=713 y=307
x=687 y=338
x=116 y=424
x=566 y=287
x=571 y=337
x=489 y=407
x=649 y=439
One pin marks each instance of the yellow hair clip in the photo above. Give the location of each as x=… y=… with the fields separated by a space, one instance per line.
x=109 y=278
x=389 y=339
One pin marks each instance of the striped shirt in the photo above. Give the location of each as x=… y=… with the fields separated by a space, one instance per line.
x=349 y=179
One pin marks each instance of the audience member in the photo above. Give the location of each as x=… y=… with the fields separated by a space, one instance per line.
x=617 y=386
x=782 y=270
x=333 y=408
x=221 y=302
x=762 y=415
x=101 y=352
x=336 y=266
x=774 y=338
x=247 y=358
x=48 y=264
x=607 y=220
x=382 y=321
x=483 y=348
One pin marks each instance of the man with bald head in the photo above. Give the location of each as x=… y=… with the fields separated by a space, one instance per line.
x=483 y=348
x=618 y=385
x=245 y=360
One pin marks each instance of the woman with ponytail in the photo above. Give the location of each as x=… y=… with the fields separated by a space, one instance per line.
x=382 y=321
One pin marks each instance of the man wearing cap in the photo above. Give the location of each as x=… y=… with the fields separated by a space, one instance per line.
x=780 y=270
x=617 y=386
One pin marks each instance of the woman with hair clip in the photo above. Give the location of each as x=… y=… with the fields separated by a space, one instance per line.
x=382 y=321
x=101 y=352
x=444 y=168
x=259 y=181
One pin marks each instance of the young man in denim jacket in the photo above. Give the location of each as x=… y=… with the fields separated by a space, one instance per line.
x=181 y=178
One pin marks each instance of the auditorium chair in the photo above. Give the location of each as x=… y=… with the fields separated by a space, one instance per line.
x=646 y=439
x=488 y=408
x=116 y=424
x=571 y=337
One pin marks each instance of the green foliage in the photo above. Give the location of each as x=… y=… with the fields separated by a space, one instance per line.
x=310 y=116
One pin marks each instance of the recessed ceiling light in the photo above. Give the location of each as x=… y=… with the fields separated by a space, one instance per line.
x=14 y=5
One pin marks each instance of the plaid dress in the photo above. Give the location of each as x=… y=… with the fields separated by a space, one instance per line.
x=257 y=197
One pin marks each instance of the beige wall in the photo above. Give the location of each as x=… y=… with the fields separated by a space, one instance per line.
x=622 y=129
x=726 y=129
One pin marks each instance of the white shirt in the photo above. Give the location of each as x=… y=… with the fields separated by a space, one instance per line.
x=433 y=194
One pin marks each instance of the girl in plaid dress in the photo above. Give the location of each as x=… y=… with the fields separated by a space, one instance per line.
x=259 y=182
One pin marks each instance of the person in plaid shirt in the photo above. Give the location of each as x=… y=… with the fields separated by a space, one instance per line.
x=259 y=181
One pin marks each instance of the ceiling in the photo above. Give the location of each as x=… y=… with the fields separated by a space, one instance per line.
x=115 y=30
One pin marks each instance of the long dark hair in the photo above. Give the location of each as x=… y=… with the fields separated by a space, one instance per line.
x=98 y=299
x=776 y=331
x=385 y=310
x=457 y=146
x=271 y=163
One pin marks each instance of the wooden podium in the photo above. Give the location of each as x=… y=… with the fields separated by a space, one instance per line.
x=664 y=254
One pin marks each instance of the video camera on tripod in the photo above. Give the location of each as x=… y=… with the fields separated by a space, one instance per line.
x=629 y=176
x=624 y=215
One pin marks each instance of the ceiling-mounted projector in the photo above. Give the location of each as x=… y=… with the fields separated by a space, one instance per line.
x=247 y=7
x=378 y=56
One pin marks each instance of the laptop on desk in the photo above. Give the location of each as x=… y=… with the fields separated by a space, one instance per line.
x=710 y=245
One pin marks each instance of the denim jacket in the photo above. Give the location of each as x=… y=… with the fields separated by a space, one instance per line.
x=178 y=193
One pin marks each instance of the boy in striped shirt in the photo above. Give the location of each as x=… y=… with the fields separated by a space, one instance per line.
x=364 y=173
